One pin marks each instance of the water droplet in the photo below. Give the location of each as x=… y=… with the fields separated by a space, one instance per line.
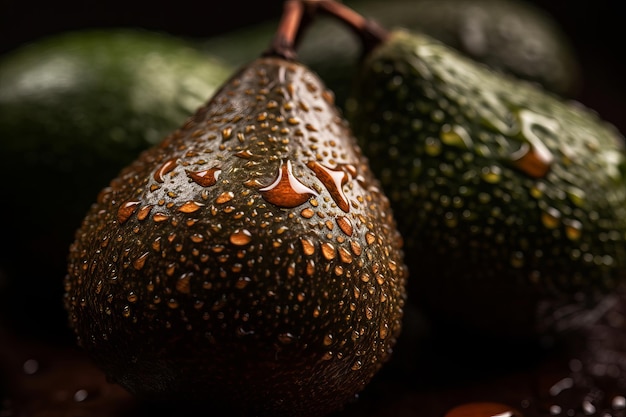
x=126 y=210
x=560 y=386
x=286 y=191
x=356 y=248
x=30 y=367
x=492 y=174
x=81 y=395
x=132 y=297
x=383 y=330
x=357 y=365
x=225 y=197
x=307 y=213
x=172 y=303
x=183 y=283
x=245 y=154
x=555 y=410
x=370 y=238
x=240 y=237
x=531 y=161
x=227 y=133
x=333 y=180
x=205 y=178
x=167 y=167
x=576 y=196
x=588 y=408
x=141 y=261
x=345 y=225
x=190 y=207
x=345 y=256
x=432 y=146
x=517 y=259
x=455 y=136
x=143 y=212
x=242 y=282
x=573 y=229
x=534 y=158
x=483 y=409
x=307 y=246
x=160 y=217
x=328 y=250
x=286 y=338
x=550 y=218
x=328 y=339
x=618 y=402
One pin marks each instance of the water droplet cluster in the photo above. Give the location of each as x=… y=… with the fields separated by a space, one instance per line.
x=505 y=196
x=253 y=241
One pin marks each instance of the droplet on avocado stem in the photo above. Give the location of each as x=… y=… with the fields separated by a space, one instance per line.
x=286 y=191
x=164 y=169
x=483 y=409
x=205 y=178
x=333 y=180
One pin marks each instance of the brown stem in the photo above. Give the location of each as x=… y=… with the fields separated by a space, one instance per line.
x=289 y=28
x=369 y=31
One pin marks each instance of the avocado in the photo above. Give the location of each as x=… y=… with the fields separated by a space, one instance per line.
x=511 y=199
x=249 y=262
x=74 y=109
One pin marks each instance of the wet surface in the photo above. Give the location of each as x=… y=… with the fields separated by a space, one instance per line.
x=452 y=375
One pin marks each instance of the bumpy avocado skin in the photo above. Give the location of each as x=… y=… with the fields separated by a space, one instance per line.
x=75 y=108
x=511 y=200
x=249 y=262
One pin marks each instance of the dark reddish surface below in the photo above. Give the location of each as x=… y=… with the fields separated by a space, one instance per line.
x=451 y=376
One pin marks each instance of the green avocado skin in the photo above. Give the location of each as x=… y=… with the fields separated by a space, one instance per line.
x=74 y=109
x=511 y=200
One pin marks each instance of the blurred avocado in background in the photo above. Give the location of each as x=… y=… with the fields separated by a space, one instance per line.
x=74 y=109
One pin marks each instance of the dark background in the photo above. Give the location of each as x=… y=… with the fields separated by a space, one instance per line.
x=595 y=28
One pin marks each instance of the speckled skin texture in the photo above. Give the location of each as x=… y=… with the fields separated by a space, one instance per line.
x=249 y=261
x=511 y=201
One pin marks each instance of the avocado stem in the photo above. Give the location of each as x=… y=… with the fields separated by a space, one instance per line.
x=370 y=32
x=283 y=44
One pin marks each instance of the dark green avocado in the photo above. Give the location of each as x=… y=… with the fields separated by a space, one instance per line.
x=249 y=262
x=511 y=200
x=75 y=108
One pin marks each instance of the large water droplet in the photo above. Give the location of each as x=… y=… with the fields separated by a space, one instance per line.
x=333 y=180
x=164 y=169
x=534 y=158
x=205 y=178
x=126 y=210
x=345 y=225
x=286 y=190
